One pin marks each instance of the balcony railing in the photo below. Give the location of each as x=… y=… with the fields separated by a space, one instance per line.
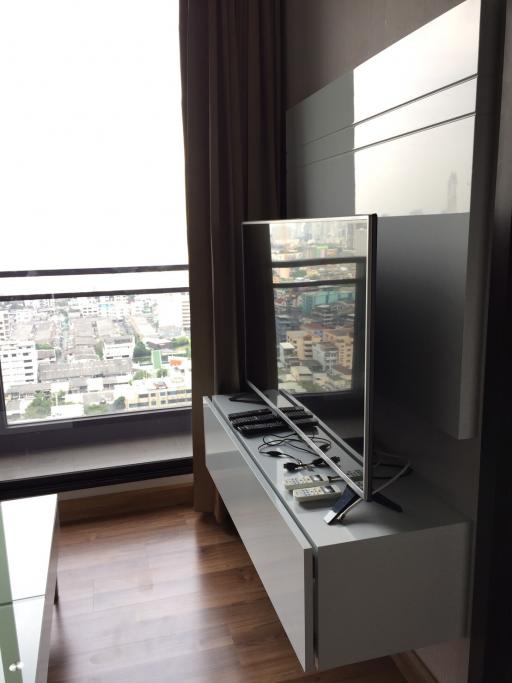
x=93 y=342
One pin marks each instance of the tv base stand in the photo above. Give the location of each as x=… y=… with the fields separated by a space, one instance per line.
x=349 y=499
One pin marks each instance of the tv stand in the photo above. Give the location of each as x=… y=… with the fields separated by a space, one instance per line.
x=401 y=578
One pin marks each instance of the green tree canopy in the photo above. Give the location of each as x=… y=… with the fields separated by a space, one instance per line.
x=141 y=350
x=179 y=341
x=120 y=403
x=96 y=409
x=39 y=408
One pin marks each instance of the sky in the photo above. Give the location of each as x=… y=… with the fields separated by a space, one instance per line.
x=91 y=147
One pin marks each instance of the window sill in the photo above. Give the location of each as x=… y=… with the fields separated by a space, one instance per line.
x=98 y=464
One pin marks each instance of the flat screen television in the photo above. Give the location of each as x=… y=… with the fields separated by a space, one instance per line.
x=308 y=298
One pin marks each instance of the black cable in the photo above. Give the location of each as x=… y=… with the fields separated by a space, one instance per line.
x=292 y=440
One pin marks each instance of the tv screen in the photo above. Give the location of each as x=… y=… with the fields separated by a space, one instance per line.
x=308 y=325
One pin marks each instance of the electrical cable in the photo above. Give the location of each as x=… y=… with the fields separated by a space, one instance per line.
x=291 y=440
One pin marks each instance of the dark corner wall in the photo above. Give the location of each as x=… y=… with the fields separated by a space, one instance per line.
x=325 y=38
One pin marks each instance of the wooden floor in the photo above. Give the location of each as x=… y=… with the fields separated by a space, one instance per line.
x=170 y=596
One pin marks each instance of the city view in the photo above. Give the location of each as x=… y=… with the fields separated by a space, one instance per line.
x=67 y=358
x=315 y=320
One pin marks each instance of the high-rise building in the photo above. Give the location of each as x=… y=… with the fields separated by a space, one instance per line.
x=19 y=362
x=326 y=354
x=5 y=326
x=303 y=342
x=185 y=314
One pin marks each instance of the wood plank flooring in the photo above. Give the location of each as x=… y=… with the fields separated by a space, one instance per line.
x=168 y=596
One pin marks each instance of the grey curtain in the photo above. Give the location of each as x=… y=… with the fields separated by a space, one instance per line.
x=233 y=119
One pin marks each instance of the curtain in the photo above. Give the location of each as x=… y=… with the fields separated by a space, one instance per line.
x=233 y=121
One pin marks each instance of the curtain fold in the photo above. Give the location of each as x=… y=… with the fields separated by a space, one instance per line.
x=233 y=122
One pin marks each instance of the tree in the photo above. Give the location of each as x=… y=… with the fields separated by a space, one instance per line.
x=141 y=350
x=99 y=350
x=40 y=407
x=179 y=341
x=141 y=374
x=96 y=409
x=120 y=403
x=43 y=346
x=163 y=372
x=311 y=387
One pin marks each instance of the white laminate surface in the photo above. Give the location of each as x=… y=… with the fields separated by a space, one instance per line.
x=21 y=627
x=26 y=541
x=281 y=554
x=368 y=520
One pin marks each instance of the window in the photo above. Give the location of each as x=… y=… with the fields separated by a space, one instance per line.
x=92 y=200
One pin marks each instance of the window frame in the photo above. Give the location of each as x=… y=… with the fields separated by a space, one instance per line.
x=89 y=429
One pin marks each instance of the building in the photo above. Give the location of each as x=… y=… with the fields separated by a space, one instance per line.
x=185 y=313
x=19 y=362
x=326 y=354
x=64 y=370
x=325 y=314
x=303 y=342
x=344 y=341
x=301 y=373
x=284 y=323
x=118 y=347
x=311 y=300
x=89 y=306
x=5 y=325
x=288 y=354
x=157 y=393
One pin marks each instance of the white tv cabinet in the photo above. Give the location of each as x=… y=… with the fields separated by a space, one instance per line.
x=380 y=583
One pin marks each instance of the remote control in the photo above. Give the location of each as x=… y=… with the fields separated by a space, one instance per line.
x=355 y=475
x=261 y=419
x=327 y=492
x=262 y=411
x=305 y=481
x=255 y=429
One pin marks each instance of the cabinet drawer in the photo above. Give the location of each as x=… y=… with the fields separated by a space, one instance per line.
x=282 y=556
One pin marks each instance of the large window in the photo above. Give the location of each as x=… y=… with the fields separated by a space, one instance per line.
x=91 y=180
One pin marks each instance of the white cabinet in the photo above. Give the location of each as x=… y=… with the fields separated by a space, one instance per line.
x=380 y=583
x=280 y=552
x=28 y=580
